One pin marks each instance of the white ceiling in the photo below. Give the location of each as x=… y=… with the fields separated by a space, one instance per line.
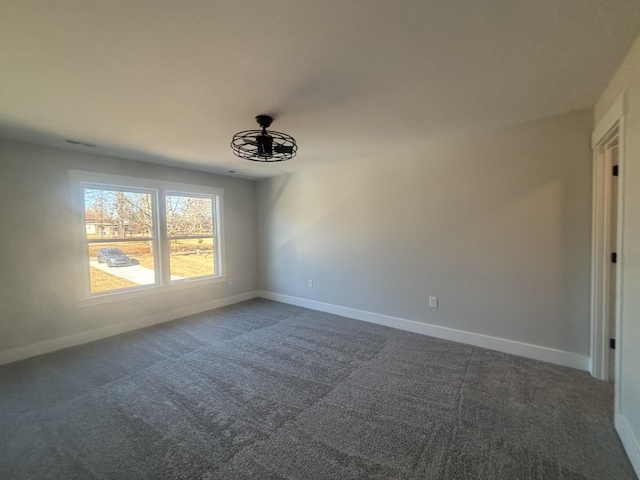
x=170 y=81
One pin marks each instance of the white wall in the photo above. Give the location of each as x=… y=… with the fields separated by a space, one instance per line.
x=495 y=224
x=627 y=78
x=38 y=281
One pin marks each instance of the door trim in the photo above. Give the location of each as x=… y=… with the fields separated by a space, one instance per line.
x=601 y=245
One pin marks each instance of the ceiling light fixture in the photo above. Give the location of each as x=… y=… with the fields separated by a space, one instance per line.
x=264 y=145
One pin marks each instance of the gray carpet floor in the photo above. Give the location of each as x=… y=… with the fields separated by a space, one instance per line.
x=263 y=390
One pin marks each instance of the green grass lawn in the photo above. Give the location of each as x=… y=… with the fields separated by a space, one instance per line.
x=103 y=281
x=185 y=265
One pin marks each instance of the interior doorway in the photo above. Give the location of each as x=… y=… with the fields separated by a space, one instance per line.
x=607 y=254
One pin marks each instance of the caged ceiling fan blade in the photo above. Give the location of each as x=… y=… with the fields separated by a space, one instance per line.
x=286 y=149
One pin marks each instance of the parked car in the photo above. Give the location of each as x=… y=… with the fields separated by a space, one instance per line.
x=114 y=257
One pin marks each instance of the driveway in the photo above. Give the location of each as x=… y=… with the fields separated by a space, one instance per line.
x=134 y=273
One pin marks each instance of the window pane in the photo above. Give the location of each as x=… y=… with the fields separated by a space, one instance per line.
x=112 y=213
x=191 y=258
x=189 y=216
x=113 y=266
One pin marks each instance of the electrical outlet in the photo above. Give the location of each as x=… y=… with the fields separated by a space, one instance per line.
x=230 y=280
x=433 y=302
x=310 y=283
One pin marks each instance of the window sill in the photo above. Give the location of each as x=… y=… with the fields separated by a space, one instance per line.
x=150 y=290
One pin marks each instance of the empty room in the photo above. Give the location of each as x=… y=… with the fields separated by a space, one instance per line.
x=320 y=239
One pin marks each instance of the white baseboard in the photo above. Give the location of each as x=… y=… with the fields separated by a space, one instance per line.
x=629 y=441
x=20 y=353
x=536 y=352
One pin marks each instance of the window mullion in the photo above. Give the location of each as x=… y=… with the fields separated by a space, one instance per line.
x=217 y=235
x=163 y=240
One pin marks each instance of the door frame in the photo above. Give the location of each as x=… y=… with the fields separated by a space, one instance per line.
x=602 y=245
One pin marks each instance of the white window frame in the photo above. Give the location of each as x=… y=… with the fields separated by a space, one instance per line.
x=158 y=189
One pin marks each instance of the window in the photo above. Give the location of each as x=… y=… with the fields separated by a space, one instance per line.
x=190 y=233
x=120 y=237
x=141 y=235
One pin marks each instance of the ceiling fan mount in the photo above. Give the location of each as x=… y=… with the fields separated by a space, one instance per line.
x=264 y=120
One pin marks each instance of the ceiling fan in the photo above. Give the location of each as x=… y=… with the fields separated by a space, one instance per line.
x=264 y=145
